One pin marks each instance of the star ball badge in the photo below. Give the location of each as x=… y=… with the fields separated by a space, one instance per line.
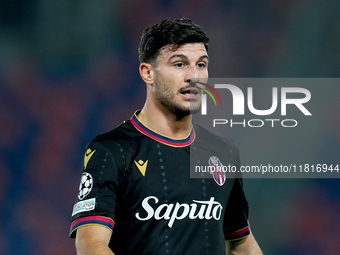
x=85 y=187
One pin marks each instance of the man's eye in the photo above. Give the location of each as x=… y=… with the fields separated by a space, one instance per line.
x=201 y=65
x=179 y=64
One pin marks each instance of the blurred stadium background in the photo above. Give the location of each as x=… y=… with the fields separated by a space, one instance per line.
x=68 y=71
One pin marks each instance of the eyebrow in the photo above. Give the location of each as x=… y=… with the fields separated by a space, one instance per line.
x=181 y=56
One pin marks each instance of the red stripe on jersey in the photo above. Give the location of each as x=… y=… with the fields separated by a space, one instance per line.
x=237 y=234
x=92 y=220
x=160 y=138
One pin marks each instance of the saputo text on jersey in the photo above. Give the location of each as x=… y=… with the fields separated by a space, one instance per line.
x=198 y=209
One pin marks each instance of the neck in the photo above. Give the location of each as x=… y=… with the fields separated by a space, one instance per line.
x=164 y=122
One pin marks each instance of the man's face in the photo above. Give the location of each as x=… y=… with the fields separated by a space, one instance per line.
x=175 y=72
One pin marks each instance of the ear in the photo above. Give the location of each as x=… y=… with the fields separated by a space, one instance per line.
x=147 y=72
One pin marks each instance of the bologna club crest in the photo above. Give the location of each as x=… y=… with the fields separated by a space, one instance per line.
x=216 y=169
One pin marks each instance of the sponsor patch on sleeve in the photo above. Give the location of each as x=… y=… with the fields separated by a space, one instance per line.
x=84 y=206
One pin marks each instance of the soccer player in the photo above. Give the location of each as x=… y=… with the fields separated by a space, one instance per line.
x=136 y=195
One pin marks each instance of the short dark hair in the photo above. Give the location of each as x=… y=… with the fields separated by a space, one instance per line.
x=174 y=32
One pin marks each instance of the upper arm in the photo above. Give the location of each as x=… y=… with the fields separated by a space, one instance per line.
x=93 y=238
x=235 y=224
x=96 y=201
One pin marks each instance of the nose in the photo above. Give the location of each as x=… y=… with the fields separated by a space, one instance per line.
x=191 y=74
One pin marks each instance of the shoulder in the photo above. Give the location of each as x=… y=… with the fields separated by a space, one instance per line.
x=114 y=149
x=122 y=132
x=123 y=135
x=116 y=144
x=205 y=136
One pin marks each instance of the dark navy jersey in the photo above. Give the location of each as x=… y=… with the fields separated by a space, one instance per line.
x=138 y=184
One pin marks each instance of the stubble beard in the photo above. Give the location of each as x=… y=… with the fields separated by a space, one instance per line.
x=166 y=98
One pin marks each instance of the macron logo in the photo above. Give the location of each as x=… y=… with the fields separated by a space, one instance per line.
x=142 y=166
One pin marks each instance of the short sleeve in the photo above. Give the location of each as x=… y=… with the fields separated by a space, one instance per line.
x=235 y=224
x=96 y=200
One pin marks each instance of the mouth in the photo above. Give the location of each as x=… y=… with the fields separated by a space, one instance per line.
x=191 y=93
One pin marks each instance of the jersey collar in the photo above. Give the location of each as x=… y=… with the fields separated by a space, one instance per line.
x=161 y=138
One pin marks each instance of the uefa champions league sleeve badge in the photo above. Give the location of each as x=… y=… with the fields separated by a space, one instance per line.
x=85 y=187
